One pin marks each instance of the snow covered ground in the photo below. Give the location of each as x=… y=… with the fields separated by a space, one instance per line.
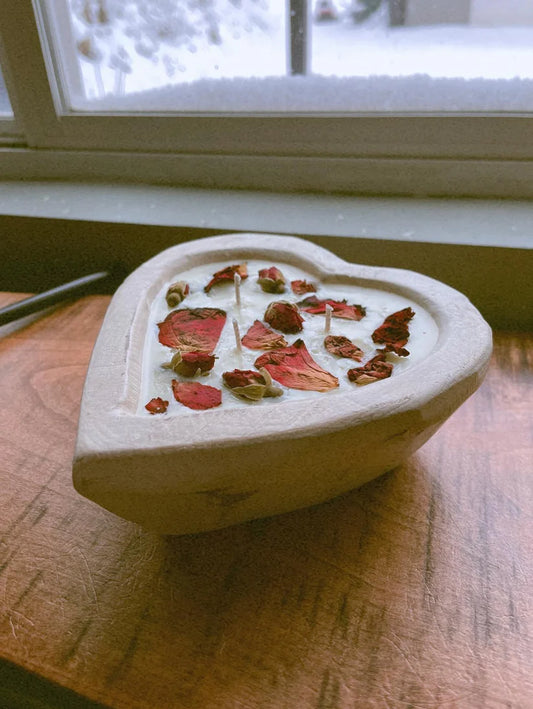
x=443 y=68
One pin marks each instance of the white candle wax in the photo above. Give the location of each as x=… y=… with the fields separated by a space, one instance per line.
x=156 y=381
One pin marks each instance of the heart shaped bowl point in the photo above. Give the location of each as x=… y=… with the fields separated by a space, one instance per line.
x=185 y=470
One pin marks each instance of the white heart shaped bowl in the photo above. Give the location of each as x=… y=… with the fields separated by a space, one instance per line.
x=208 y=469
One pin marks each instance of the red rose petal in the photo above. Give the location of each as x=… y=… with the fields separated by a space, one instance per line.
x=227 y=275
x=341 y=346
x=375 y=369
x=340 y=308
x=192 y=329
x=394 y=332
x=294 y=367
x=157 y=405
x=195 y=395
x=301 y=287
x=260 y=337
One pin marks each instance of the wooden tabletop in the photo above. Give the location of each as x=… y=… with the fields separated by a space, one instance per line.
x=414 y=591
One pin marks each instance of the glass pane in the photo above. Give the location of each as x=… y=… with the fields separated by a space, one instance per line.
x=491 y=39
x=129 y=47
x=294 y=55
x=5 y=106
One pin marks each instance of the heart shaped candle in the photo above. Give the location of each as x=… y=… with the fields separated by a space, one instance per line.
x=226 y=382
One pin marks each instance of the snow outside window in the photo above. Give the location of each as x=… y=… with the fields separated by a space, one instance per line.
x=242 y=55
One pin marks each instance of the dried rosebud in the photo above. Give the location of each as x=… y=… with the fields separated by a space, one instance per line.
x=341 y=346
x=227 y=275
x=156 y=405
x=284 y=316
x=189 y=364
x=176 y=293
x=251 y=385
x=195 y=395
x=375 y=369
x=295 y=368
x=340 y=308
x=271 y=280
x=302 y=287
x=394 y=332
x=260 y=337
x=192 y=329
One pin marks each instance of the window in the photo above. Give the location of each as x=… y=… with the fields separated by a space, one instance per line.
x=5 y=106
x=337 y=102
x=8 y=128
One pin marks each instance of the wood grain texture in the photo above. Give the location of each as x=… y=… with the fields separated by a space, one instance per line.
x=414 y=591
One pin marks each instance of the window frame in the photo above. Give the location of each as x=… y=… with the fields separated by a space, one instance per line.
x=477 y=145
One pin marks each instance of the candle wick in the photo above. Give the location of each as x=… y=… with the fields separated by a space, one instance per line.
x=327 y=326
x=237 y=282
x=237 y=336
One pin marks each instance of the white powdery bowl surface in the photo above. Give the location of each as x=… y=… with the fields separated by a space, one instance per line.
x=189 y=471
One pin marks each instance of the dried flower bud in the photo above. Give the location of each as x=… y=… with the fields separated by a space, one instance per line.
x=284 y=316
x=156 y=405
x=271 y=280
x=247 y=384
x=176 y=293
x=189 y=364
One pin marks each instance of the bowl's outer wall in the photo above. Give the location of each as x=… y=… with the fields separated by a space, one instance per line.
x=184 y=489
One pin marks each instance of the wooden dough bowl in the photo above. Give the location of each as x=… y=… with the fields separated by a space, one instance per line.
x=209 y=469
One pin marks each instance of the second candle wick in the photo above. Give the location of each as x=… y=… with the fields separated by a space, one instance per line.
x=237 y=282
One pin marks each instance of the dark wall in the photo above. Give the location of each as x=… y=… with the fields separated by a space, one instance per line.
x=36 y=254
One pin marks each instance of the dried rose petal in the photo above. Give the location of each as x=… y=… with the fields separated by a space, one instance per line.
x=248 y=384
x=188 y=364
x=192 y=329
x=341 y=346
x=260 y=337
x=271 y=280
x=227 y=275
x=294 y=367
x=195 y=395
x=176 y=293
x=340 y=308
x=302 y=287
x=157 y=405
x=375 y=369
x=394 y=332
x=284 y=316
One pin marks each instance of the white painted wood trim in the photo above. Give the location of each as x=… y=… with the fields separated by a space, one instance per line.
x=493 y=223
x=363 y=176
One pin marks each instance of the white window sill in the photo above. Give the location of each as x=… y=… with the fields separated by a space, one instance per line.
x=495 y=223
x=53 y=232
